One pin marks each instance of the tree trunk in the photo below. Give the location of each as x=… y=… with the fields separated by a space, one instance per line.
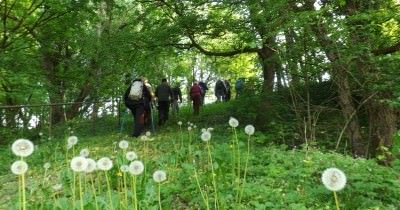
x=269 y=65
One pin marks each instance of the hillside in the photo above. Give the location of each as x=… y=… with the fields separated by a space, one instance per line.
x=277 y=177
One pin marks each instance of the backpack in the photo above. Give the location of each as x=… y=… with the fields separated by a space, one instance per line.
x=136 y=91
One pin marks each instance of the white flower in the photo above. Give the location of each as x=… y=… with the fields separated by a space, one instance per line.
x=104 y=164
x=57 y=187
x=46 y=166
x=72 y=140
x=148 y=133
x=19 y=167
x=249 y=130
x=124 y=168
x=79 y=164
x=210 y=129
x=194 y=126
x=333 y=179
x=206 y=136
x=22 y=147
x=233 y=122
x=143 y=138
x=136 y=167
x=40 y=134
x=179 y=123
x=131 y=155
x=91 y=165
x=69 y=146
x=189 y=128
x=84 y=152
x=203 y=130
x=159 y=176
x=124 y=144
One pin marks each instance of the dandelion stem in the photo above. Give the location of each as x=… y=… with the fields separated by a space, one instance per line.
x=73 y=189
x=80 y=191
x=134 y=192
x=23 y=192
x=245 y=170
x=213 y=177
x=125 y=189
x=159 y=195
x=109 y=191
x=201 y=191
x=20 y=191
x=336 y=200
x=94 y=192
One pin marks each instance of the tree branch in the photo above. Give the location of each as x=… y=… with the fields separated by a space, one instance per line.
x=222 y=54
x=388 y=50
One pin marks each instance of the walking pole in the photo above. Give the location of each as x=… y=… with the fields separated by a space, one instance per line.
x=153 y=129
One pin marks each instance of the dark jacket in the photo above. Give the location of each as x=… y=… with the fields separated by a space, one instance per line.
x=164 y=92
x=177 y=94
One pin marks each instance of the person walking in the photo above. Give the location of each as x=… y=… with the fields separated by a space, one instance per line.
x=164 y=96
x=195 y=96
x=176 y=96
x=204 y=90
x=136 y=98
x=148 y=119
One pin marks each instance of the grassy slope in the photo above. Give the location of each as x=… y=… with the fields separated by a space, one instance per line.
x=278 y=178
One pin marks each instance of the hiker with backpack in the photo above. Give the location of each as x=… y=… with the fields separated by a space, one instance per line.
x=195 y=96
x=220 y=91
x=164 y=97
x=176 y=96
x=137 y=97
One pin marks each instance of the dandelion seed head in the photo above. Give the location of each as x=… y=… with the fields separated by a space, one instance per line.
x=124 y=144
x=124 y=168
x=46 y=166
x=203 y=130
x=72 y=140
x=179 y=123
x=57 y=187
x=131 y=155
x=19 y=167
x=91 y=165
x=40 y=134
x=233 y=122
x=189 y=128
x=206 y=136
x=78 y=164
x=136 y=167
x=159 y=176
x=148 y=133
x=210 y=129
x=249 y=130
x=84 y=152
x=104 y=164
x=22 y=147
x=334 y=179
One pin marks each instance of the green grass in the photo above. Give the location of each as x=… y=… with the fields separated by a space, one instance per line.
x=278 y=177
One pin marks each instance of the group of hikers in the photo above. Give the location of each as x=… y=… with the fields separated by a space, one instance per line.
x=140 y=99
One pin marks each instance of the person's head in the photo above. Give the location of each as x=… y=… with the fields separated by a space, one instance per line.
x=144 y=79
x=164 y=80
x=195 y=82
